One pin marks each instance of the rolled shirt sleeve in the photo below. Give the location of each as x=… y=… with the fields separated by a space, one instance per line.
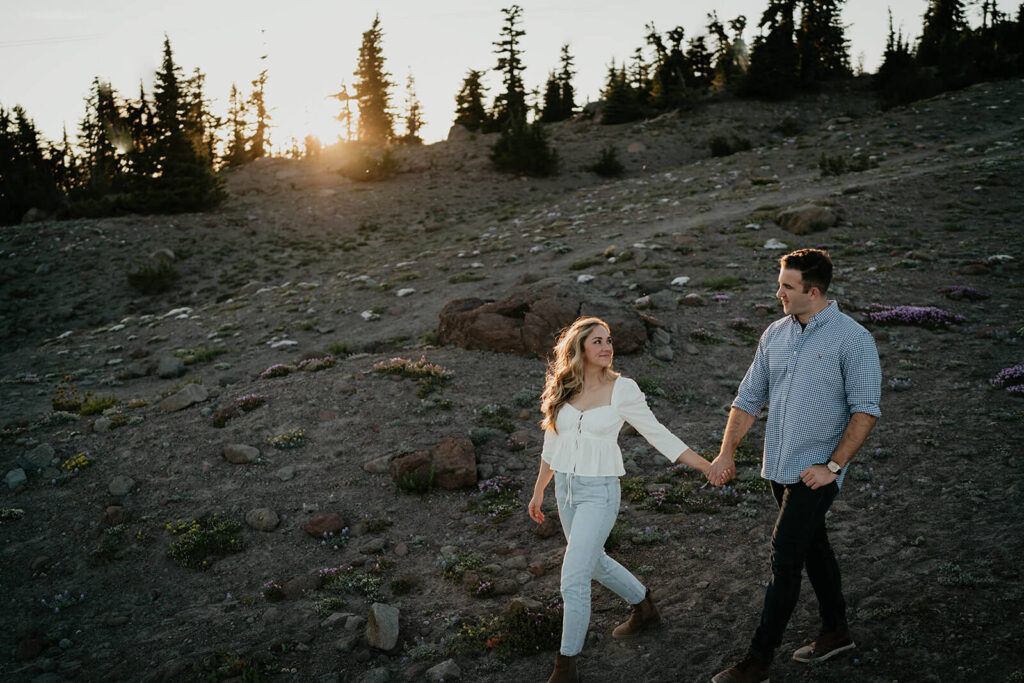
x=753 y=391
x=862 y=375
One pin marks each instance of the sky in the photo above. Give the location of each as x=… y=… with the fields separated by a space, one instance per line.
x=52 y=49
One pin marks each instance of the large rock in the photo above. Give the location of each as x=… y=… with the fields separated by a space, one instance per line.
x=324 y=523
x=41 y=456
x=169 y=367
x=15 y=478
x=453 y=462
x=447 y=670
x=191 y=393
x=803 y=220
x=528 y=322
x=240 y=454
x=382 y=626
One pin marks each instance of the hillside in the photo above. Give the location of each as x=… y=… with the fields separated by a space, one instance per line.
x=300 y=262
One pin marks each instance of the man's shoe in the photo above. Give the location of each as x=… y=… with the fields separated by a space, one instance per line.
x=644 y=615
x=825 y=646
x=750 y=670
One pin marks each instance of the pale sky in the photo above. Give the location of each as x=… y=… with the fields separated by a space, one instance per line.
x=51 y=49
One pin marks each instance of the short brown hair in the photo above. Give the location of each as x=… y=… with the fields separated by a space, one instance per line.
x=815 y=266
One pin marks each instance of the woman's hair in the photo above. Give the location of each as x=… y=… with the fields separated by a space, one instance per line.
x=565 y=371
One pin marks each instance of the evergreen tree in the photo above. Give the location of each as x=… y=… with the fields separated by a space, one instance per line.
x=138 y=116
x=469 y=103
x=944 y=26
x=186 y=181
x=66 y=170
x=345 y=115
x=622 y=102
x=413 y=114
x=773 y=69
x=235 y=154
x=510 y=105
x=552 y=109
x=99 y=136
x=565 y=76
x=258 y=144
x=26 y=175
x=700 y=64
x=376 y=124
x=821 y=45
x=523 y=148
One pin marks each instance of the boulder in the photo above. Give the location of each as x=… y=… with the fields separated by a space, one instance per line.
x=40 y=456
x=805 y=219
x=324 y=523
x=191 y=393
x=453 y=462
x=382 y=626
x=15 y=478
x=528 y=321
x=169 y=367
x=447 y=670
x=239 y=454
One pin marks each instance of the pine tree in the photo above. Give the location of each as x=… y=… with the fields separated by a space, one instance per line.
x=345 y=115
x=235 y=154
x=510 y=105
x=186 y=180
x=821 y=45
x=413 y=114
x=565 y=76
x=258 y=144
x=99 y=135
x=944 y=25
x=26 y=174
x=773 y=69
x=621 y=99
x=700 y=63
x=376 y=124
x=469 y=103
x=552 y=109
x=138 y=116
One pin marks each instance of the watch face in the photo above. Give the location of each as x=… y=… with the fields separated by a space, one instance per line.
x=833 y=467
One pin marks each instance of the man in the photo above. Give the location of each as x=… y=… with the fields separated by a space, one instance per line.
x=819 y=371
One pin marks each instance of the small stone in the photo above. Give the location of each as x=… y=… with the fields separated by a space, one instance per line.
x=663 y=353
x=333 y=620
x=536 y=568
x=40 y=564
x=15 y=478
x=286 y=473
x=548 y=528
x=354 y=622
x=447 y=670
x=402 y=549
x=192 y=393
x=102 y=424
x=373 y=547
x=693 y=300
x=382 y=626
x=121 y=485
x=115 y=514
x=119 y=620
x=379 y=465
x=516 y=562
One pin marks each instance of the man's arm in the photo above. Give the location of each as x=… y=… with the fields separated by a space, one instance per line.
x=723 y=467
x=854 y=435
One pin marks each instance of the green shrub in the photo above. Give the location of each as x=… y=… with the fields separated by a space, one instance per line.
x=348 y=580
x=94 y=405
x=412 y=482
x=153 y=278
x=202 y=540
x=722 y=282
x=608 y=164
x=495 y=416
x=454 y=566
x=523 y=148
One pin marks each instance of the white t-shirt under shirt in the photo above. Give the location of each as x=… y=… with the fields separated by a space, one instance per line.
x=587 y=442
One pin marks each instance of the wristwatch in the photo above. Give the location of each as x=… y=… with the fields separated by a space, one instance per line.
x=834 y=467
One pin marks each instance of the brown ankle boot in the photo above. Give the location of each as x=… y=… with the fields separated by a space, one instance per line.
x=565 y=670
x=644 y=615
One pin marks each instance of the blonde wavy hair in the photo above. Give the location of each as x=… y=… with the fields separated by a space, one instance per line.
x=565 y=372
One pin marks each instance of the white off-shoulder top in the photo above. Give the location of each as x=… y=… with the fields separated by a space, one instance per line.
x=587 y=442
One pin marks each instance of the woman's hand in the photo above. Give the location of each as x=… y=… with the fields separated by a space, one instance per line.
x=534 y=507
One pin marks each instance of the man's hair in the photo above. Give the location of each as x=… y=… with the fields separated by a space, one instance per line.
x=815 y=267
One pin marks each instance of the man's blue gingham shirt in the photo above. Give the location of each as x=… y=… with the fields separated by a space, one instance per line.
x=815 y=379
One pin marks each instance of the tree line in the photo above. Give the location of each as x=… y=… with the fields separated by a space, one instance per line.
x=162 y=151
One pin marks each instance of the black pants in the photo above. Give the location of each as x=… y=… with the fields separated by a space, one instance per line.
x=799 y=540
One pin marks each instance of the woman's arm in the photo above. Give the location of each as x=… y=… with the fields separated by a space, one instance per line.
x=693 y=459
x=544 y=475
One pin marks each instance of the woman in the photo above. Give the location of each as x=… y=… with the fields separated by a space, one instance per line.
x=585 y=403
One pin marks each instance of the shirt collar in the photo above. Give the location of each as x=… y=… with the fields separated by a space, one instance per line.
x=826 y=314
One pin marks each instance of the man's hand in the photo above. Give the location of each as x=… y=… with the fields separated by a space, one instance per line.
x=723 y=468
x=816 y=476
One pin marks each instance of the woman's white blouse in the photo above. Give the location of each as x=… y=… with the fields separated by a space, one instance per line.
x=587 y=442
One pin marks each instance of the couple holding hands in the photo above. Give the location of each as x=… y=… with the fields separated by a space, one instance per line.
x=818 y=370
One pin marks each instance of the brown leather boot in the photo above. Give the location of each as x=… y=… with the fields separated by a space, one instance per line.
x=644 y=615
x=565 y=670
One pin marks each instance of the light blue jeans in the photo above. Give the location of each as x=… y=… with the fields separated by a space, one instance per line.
x=588 y=507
